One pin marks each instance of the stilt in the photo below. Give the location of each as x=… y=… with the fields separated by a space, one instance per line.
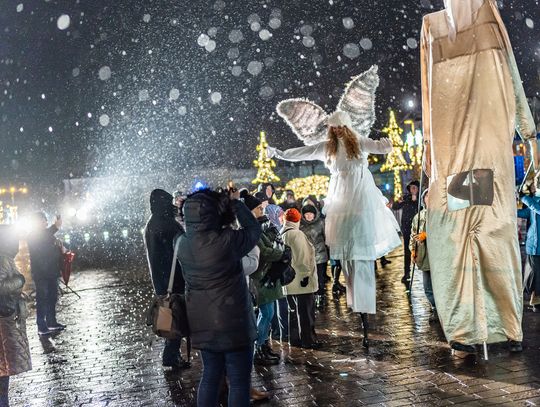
x=365 y=326
x=485 y=351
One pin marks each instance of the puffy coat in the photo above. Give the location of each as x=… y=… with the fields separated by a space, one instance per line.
x=14 y=349
x=45 y=253
x=159 y=235
x=303 y=260
x=314 y=231
x=532 y=212
x=219 y=306
x=422 y=258
x=269 y=254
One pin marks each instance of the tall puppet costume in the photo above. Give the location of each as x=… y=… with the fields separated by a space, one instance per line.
x=359 y=226
x=473 y=101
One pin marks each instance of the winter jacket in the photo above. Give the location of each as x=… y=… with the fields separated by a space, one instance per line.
x=159 y=235
x=303 y=260
x=409 y=209
x=532 y=212
x=14 y=349
x=219 y=306
x=262 y=188
x=45 y=253
x=420 y=248
x=314 y=231
x=269 y=254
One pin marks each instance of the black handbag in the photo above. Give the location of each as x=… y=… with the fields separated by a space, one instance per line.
x=9 y=301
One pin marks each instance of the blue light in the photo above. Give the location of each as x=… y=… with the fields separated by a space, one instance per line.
x=387 y=187
x=198 y=186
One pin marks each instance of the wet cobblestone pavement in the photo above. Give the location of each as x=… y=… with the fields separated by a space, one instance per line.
x=108 y=357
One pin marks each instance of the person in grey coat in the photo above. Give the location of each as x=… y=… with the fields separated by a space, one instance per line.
x=14 y=349
x=312 y=225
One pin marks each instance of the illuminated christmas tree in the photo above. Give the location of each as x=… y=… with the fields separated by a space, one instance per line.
x=264 y=165
x=313 y=185
x=395 y=160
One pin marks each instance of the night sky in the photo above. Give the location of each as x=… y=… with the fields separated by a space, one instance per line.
x=95 y=87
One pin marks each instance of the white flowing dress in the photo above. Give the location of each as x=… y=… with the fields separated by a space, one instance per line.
x=359 y=225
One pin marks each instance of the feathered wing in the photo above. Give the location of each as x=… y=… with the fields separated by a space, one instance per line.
x=306 y=119
x=358 y=100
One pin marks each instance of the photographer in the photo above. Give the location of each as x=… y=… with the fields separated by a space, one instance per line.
x=219 y=307
x=159 y=235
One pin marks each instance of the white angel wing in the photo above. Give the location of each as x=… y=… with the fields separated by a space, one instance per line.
x=306 y=119
x=358 y=100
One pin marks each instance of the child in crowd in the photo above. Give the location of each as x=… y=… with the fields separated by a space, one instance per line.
x=313 y=227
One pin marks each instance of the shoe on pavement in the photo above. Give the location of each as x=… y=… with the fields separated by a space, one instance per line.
x=462 y=347
x=257 y=395
x=177 y=364
x=515 y=346
x=385 y=262
x=57 y=327
x=264 y=359
x=268 y=350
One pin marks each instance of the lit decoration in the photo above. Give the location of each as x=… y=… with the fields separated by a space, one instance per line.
x=395 y=161
x=414 y=146
x=264 y=164
x=12 y=191
x=313 y=185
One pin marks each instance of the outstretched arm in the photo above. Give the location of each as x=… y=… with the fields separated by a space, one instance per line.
x=305 y=153
x=382 y=146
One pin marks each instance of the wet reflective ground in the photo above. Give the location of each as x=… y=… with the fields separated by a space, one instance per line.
x=108 y=357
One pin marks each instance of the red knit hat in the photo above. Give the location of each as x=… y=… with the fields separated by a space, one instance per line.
x=292 y=215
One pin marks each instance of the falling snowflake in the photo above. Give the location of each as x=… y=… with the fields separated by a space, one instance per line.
x=104 y=73
x=146 y=18
x=215 y=97
x=20 y=7
x=351 y=50
x=412 y=43
x=63 y=22
x=255 y=67
x=235 y=36
x=104 y=120
x=348 y=23
x=366 y=44
x=174 y=94
x=265 y=35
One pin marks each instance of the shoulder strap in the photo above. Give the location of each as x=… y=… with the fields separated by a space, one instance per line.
x=173 y=266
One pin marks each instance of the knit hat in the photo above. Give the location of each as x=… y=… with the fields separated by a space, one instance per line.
x=309 y=209
x=292 y=215
x=273 y=212
x=251 y=202
x=410 y=184
x=261 y=196
x=339 y=118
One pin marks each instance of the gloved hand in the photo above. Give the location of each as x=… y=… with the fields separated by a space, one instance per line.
x=271 y=152
x=304 y=282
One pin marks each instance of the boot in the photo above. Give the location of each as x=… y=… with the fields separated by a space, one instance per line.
x=515 y=346
x=406 y=277
x=385 y=262
x=257 y=395
x=268 y=350
x=263 y=359
x=365 y=326
x=462 y=347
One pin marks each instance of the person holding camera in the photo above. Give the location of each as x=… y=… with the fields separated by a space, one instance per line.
x=159 y=236
x=14 y=352
x=267 y=292
x=45 y=260
x=300 y=292
x=218 y=303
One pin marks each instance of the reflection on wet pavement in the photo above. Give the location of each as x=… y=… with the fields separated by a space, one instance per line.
x=108 y=357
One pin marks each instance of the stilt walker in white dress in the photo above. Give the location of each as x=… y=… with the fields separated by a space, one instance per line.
x=359 y=226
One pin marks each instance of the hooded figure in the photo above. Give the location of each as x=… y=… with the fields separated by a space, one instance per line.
x=409 y=207
x=14 y=349
x=473 y=102
x=159 y=235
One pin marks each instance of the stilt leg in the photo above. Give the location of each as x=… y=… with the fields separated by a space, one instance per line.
x=365 y=326
x=485 y=351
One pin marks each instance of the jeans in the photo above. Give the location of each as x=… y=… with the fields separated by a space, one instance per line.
x=236 y=365
x=46 y=298
x=171 y=351
x=4 y=391
x=280 y=322
x=428 y=288
x=264 y=320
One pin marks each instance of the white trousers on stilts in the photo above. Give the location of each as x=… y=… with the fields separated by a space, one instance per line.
x=361 y=285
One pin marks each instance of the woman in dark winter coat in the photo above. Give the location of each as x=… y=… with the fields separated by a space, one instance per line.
x=159 y=233
x=409 y=206
x=266 y=295
x=313 y=227
x=219 y=306
x=14 y=350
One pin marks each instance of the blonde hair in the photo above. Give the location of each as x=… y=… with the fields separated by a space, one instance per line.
x=352 y=147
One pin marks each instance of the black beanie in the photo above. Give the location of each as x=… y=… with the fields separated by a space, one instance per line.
x=251 y=202
x=309 y=209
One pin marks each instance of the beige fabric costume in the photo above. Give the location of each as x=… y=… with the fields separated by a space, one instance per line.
x=473 y=100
